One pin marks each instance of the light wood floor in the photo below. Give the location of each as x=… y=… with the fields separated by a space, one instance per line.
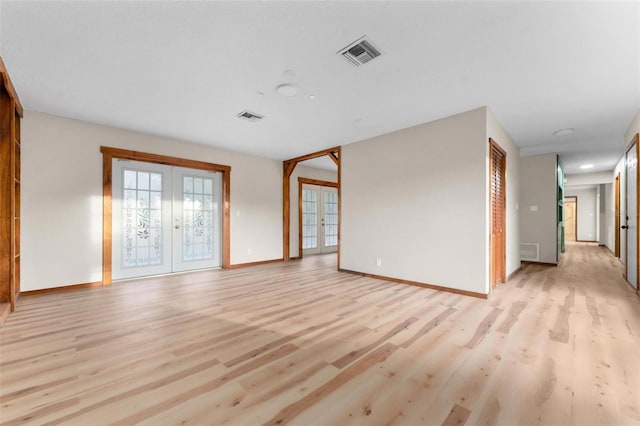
x=300 y=343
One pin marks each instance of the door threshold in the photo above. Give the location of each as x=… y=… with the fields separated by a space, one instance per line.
x=168 y=274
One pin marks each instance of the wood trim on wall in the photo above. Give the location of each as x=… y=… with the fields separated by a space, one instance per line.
x=108 y=154
x=419 y=284
x=288 y=166
x=616 y=214
x=260 y=262
x=61 y=289
x=307 y=181
x=10 y=88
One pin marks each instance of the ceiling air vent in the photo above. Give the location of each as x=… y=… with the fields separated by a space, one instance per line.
x=250 y=116
x=360 y=52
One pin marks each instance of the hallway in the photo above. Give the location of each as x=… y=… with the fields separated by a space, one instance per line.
x=581 y=322
x=300 y=343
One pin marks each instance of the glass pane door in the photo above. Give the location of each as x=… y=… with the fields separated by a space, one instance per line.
x=310 y=220
x=196 y=219
x=330 y=219
x=141 y=232
x=319 y=219
x=164 y=219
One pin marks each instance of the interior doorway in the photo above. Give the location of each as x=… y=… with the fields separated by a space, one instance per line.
x=497 y=200
x=571 y=218
x=318 y=217
x=188 y=204
x=333 y=155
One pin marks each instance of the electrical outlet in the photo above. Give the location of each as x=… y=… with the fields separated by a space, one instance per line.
x=378 y=262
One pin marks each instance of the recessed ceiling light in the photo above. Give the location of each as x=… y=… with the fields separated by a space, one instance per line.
x=586 y=166
x=564 y=132
x=312 y=97
x=287 y=90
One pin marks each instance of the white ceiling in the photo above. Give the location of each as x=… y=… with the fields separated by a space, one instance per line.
x=185 y=69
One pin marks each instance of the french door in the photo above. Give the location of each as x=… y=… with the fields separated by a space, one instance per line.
x=319 y=219
x=165 y=219
x=631 y=216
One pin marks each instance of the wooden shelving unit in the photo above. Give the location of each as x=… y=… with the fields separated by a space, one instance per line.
x=10 y=181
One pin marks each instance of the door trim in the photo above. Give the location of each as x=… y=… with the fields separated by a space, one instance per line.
x=108 y=154
x=493 y=144
x=302 y=181
x=574 y=199
x=616 y=214
x=634 y=141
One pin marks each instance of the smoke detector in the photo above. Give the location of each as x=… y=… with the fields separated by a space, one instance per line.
x=250 y=116
x=359 y=52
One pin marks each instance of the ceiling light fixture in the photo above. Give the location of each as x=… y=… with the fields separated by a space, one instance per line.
x=564 y=132
x=312 y=97
x=586 y=166
x=287 y=90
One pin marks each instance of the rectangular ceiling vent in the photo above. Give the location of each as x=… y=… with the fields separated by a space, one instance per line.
x=250 y=116
x=359 y=52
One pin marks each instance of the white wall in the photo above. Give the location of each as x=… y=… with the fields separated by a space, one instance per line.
x=311 y=173
x=606 y=216
x=417 y=199
x=633 y=129
x=587 y=212
x=538 y=204
x=62 y=198
x=496 y=132
x=588 y=178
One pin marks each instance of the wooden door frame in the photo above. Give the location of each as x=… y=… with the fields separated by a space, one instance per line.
x=575 y=214
x=306 y=181
x=616 y=213
x=634 y=141
x=493 y=144
x=108 y=154
x=288 y=166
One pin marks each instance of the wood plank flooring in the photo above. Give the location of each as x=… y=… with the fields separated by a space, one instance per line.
x=300 y=343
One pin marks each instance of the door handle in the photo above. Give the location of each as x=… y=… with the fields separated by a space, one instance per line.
x=624 y=227
x=177 y=226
